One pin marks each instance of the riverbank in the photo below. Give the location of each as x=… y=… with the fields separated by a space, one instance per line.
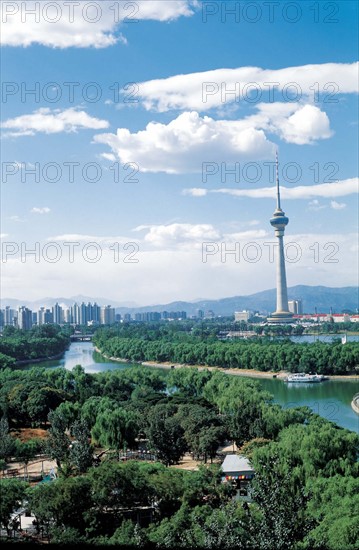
x=281 y=375
x=24 y=362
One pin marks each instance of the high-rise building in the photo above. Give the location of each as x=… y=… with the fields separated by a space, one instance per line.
x=24 y=318
x=295 y=306
x=279 y=221
x=58 y=314
x=107 y=315
x=96 y=314
x=41 y=316
x=67 y=316
x=84 y=316
x=75 y=314
x=9 y=316
x=45 y=316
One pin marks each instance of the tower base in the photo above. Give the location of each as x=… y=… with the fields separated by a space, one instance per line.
x=281 y=317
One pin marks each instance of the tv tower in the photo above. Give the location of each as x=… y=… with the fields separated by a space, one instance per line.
x=279 y=221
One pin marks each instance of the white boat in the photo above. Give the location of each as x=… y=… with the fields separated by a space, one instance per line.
x=303 y=377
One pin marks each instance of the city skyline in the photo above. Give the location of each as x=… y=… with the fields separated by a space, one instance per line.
x=140 y=166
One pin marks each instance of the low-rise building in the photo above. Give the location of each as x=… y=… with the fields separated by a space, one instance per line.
x=241 y=316
x=236 y=469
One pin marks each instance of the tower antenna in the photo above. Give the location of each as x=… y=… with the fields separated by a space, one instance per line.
x=277 y=180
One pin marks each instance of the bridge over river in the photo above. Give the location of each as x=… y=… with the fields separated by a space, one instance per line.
x=81 y=337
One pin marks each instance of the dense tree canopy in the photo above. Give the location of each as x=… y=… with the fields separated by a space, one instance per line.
x=141 y=344
x=39 y=342
x=306 y=470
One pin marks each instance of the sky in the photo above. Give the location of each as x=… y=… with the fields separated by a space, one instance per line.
x=139 y=140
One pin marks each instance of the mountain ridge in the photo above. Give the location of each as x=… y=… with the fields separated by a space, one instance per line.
x=321 y=298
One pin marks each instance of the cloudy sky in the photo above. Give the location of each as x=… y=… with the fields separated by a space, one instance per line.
x=139 y=140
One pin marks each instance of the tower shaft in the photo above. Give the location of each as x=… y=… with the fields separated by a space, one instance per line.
x=282 y=295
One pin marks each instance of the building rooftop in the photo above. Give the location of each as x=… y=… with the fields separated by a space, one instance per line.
x=236 y=463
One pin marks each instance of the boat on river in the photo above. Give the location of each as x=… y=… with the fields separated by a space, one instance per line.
x=302 y=377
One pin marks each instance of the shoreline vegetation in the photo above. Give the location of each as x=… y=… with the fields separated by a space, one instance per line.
x=19 y=347
x=251 y=373
x=202 y=346
x=24 y=362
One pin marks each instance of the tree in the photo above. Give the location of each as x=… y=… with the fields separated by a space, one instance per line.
x=205 y=487
x=26 y=451
x=41 y=401
x=334 y=505
x=6 y=362
x=57 y=445
x=62 y=503
x=94 y=406
x=7 y=443
x=210 y=439
x=81 y=451
x=115 y=429
x=12 y=492
x=165 y=434
x=128 y=534
x=282 y=500
x=69 y=412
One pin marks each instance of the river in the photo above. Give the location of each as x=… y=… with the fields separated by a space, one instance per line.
x=330 y=399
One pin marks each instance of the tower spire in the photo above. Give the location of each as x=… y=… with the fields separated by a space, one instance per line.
x=277 y=180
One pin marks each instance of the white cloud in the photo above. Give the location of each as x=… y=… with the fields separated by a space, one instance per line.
x=178 y=233
x=315 y=205
x=184 y=143
x=209 y=89
x=83 y=24
x=195 y=192
x=16 y=218
x=83 y=239
x=40 y=210
x=293 y=122
x=108 y=156
x=337 y=189
x=186 y=236
x=52 y=122
x=337 y=205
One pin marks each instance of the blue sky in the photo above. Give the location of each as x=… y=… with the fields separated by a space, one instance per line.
x=191 y=68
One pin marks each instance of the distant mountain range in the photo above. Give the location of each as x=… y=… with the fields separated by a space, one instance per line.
x=320 y=297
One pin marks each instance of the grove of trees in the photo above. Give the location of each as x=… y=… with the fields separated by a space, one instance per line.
x=38 y=343
x=177 y=344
